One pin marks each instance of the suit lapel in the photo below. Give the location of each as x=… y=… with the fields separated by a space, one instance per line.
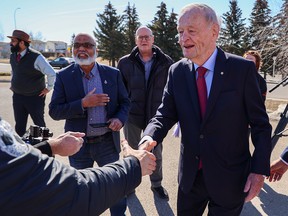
x=191 y=82
x=77 y=78
x=220 y=73
x=104 y=79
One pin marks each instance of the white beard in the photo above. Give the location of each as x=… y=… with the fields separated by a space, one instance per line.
x=87 y=61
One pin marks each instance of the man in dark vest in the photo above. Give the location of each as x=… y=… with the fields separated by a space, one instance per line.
x=29 y=68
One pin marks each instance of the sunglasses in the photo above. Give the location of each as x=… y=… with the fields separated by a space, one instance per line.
x=85 y=45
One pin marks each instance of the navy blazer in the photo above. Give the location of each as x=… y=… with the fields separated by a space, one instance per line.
x=221 y=138
x=69 y=91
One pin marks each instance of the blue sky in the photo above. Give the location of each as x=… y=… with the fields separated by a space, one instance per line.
x=59 y=19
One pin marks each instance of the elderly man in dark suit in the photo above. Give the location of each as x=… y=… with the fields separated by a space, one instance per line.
x=85 y=94
x=215 y=96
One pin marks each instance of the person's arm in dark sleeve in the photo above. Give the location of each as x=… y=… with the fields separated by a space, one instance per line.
x=44 y=147
x=111 y=183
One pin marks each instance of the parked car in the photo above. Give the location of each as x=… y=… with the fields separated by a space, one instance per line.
x=61 y=62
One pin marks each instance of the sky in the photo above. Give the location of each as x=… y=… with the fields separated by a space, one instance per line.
x=57 y=20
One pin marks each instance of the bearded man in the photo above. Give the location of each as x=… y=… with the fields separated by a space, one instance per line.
x=93 y=99
x=29 y=69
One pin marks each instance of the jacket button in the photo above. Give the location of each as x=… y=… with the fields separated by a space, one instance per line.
x=201 y=136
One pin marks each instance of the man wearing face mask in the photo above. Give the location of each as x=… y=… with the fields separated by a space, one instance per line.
x=29 y=68
x=91 y=98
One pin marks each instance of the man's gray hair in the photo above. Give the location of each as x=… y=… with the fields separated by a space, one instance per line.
x=208 y=12
x=143 y=27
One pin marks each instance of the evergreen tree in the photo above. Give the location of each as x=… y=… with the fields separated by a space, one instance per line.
x=231 y=36
x=109 y=35
x=164 y=28
x=159 y=27
x=173 y=47
x=72 y=41
x=132 y=23
x=260 y=32
x=260 y=21
x=280 y=49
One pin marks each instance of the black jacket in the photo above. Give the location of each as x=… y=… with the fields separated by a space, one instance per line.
x=145 y=98
x=34 y=184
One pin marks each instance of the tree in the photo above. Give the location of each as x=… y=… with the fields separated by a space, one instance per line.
x=36 y=36
x=72 y=41
x=164 y=28
x=231 y=36
x=159 y=27
x=260 y=32
x=132 y=23
x=280 y=49
x=174 y=49
x=109 y=35
x=259 y=20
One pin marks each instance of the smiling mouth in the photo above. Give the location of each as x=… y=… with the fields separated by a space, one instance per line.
x=82 y=55
x=188 y=46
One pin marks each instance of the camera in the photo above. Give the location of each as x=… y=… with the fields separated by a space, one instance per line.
x=36 y=134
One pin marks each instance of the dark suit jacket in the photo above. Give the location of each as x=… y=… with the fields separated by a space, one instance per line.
x=221 y=139
x=69 y=91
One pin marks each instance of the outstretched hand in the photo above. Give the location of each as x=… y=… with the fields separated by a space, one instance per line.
x=66 y=144
x=147 y=159
x=148 y=145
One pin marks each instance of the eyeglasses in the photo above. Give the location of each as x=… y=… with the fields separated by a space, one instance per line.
x=145 y=37
x=86 y=45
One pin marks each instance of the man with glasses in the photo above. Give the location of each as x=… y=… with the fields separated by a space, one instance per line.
x=145 y=72
x=29 y=68
x=91 y=98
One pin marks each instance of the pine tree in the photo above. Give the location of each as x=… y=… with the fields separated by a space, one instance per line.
x=109 y=35
x=261 y=33
x=159 y=27
x=164 y=28
x=173 y=47
x=280 y=50
x=260 y=21
x=132 y=23
x=231 y=36
x=72 y=41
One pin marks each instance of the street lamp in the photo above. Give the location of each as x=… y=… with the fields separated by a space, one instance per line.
x=15 y=16
x=274 y=63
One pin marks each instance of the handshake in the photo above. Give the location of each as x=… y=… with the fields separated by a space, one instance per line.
x=146 y=158
x=70 y=143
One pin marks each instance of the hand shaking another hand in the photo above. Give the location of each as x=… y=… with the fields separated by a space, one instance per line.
x=147 y=159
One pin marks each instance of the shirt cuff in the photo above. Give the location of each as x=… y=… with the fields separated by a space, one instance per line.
x=284 y=161
x=49 y=87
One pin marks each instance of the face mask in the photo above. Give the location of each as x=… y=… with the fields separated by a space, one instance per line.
x=15 y=48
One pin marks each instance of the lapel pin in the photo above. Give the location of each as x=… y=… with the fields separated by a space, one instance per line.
x=105 y=82
x=222 y=73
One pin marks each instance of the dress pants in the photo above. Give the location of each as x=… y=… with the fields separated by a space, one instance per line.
x=28 y=105
x=133 y=135
x=195 y=202
x=103 y=152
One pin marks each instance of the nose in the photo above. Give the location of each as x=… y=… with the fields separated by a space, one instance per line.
x=183 y=37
